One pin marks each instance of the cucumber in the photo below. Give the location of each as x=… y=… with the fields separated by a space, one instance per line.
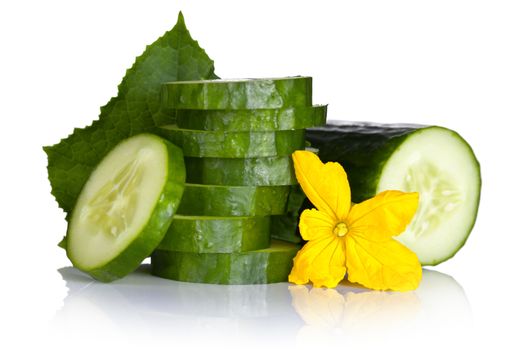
x=268 y=265
x=244 y=144
x=238 y=94
x=285 y=227
x=266 y=171
x=215 y=200
x=202 y=234
x=434 y=161
x=125 y=207
x=247 y=119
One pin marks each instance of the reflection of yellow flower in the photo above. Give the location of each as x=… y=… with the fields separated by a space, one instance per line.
x=352 y=238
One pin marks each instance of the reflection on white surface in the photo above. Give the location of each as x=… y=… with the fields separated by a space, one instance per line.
x=146 y=308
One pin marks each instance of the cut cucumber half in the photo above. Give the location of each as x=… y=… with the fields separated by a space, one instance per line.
x=266 y=171
x=203 y=234
x=248 y=119
x=434 y=161
x=268 y=265
x=243 y=144
x=238 y=94
x=215 y=200
x=125 y=207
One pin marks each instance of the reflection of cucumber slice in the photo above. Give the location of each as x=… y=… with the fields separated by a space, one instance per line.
x=214 y=200
x=238 y=94
x=436 y=162
x=266 y=171
x=248 y=119
x=243 y=144
x=269 y=265
x=209 y=234
x=125 y=207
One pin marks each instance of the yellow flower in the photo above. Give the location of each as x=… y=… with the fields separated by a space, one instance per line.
x=354 y=239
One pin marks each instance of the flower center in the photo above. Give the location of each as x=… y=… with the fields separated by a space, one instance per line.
x=340 y=229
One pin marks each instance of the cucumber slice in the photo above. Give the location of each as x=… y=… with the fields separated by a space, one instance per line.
x=202 y=234
x=215 y=200
x=248 y=119
x=285 y=227
x=434 y=161
x=125 y=207
x=243 y=144
x=268 y=265
x=266 y=171
x=238 y=94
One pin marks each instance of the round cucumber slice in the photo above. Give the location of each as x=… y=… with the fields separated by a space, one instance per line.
x=203 y=234
x=215 y=200
x=268 y=265
x=285 y=227
x=238 y=94
x=440 y=165
x=243 y=144
x=266 y=171
x=125 y=207
x=248 y=119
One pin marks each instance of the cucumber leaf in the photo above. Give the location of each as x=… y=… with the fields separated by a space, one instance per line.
x=135 y=109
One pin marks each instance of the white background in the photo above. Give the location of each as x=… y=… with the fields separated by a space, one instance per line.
x=460 y=64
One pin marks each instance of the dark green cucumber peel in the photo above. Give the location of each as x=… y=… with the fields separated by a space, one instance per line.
x=285 y=227
x=269 y=265
x=154 y=229
x=265 y=171
x=244 y=144
x=200 y=234
x=247 y=119
x=238 y=94
x=215 y=200
x=364 y=150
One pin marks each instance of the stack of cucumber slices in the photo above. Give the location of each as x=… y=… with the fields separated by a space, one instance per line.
x=237 y=137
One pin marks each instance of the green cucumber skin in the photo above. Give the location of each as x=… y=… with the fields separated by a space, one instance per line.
x=244 y=144
x=154 y=230
x=255 y=267
x=362 y=149
x=238 y=94
x=265 y=171
x=212 y=200
x=247 y=120
x=217 y=234
x=285 y=227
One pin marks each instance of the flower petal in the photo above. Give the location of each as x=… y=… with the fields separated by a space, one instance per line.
x=325 y=185
x=382 y=265
x=315 y=224
x=386 y=215
x=321 y=261
x=318 y=307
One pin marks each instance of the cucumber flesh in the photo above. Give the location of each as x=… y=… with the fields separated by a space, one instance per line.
x=434 y=161
x=268 y=265
x=243 y=144
x=247 y=119
x=266 y=171
x=238 y=94
x=215 y=200
x=201 y=234
x=440 y=165
x=125 y=207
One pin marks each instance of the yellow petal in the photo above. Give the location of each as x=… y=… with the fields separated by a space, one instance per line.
x=325 y=185
x=384 y=216
x=382 y=265
x=318 y=307
x=315 y=224
x=321 y=261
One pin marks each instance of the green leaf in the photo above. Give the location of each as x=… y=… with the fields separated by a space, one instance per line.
x=136 y=108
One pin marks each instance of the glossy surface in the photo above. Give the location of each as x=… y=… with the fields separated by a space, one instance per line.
x=247 y=119
x=238 y=94
x=270 y=265
x=243 y=144
x=201 y=234
x=266 y=171
x=214 y=200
